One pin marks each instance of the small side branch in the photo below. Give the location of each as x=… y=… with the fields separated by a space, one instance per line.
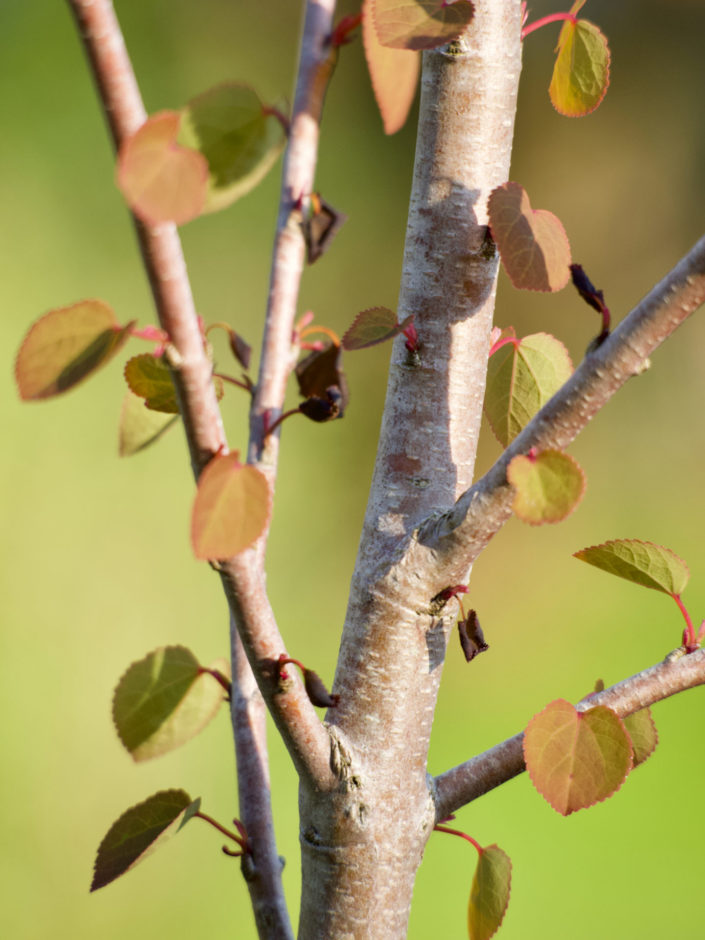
x=477 y=776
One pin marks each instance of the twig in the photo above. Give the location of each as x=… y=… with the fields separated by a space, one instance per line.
x=479 y=775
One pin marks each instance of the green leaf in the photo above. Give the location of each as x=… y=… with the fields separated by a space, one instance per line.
x=373 y=326
x=643 y=734
x=548 y=486
x=644 y=563
x=532 y=243
x=65 y=346
x=420 y=24
x=576 y=759
x=238 y=136
x=149 y=377
x=161 y=180
x=394 y=74
x=521 y=378
x=581 y=73
x=489 y=895
x=231 y=508
x=139 y=831
x=139 y=427
x=164 y=700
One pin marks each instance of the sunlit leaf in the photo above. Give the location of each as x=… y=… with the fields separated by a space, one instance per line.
x=373 y=326
x=581 y=73
x=162 y=180
x=644 y=563
x=231 y=508
x=548 y=486
x=149 y=377
x=532 y=243
x=576 y=759
x=521 y=377
x=489 y=895
x=139 y=831
x=238 y=136
x=420 y=24
x=139 y=426
x=643 y=734
x=394 y=74
x=164 y=700
x=65 y=346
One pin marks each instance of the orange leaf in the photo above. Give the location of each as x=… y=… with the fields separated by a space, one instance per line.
x=394 y=74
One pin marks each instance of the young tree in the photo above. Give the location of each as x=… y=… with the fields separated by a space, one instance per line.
x=367 y=803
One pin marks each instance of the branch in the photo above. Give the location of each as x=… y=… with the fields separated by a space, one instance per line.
x=479 y=775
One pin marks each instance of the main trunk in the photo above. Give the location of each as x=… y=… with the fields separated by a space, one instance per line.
x=362 y=843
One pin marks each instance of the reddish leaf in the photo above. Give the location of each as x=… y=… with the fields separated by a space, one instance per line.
x=548 y=486
x=373 y=326
x=321 y=370
x=472 y=639
x=231 y=508
x=320 y=227
x=576 y=759
x=489 y=895
x=642 y=733
x=394 y=74
x=65 y=346
x=581 y=73
x=420 y=24
x=161 y=180
x=532 y=243
x=317 y=692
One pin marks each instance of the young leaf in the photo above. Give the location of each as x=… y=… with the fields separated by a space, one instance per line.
x=581 y=73
x=472 y=639
x=394 y=74
x=532 y=243
x=372 y=326
x=164 y=700
x=521 y=377
x=644 y=563
x=65 y=346
x=139 y=831
x=420 y=24
x=139 y=427
x=320 y=373
x=239 y=138
x=576 y=759
x=161 y=180
x=642 y=733
x=320 y=224
x=231 y=508
x=489 y=895
x=548 y=486
x=148 y=377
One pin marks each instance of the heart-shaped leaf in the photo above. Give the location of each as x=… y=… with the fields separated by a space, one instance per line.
x=65 y=346
x=420 y=24
x=548 y=486
x=164 y=700
x=581 y=73
x=489 y=895
x=149 y=377
x=139 y=831
x=373 y=326
x=644 y=563
x=231 y=508
x=521 y=377
x=394 y=74
x=162 y=180
x=139 y=427
x=643 y=734
x=576 y=759
x=532 y=243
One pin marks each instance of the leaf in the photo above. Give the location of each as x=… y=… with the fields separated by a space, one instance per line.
x=576 y=759
x=420 y=24
x=532 y=243
x=149 y=377
x=320 y=226
x=521 y=377
x=139 y=831
x=394 y=74
x=642 y=733
x=65 y=346
x=231 y=508
x=162 y=180
x=489 y=895
x=581 y=73
x=644 y=563
x=548 y=486
x=320 y=371
x=372 y=326
x=164 y=700
x=238 y=136
x=139 y=427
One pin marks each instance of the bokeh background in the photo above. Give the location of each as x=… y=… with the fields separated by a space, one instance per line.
x=95 y=566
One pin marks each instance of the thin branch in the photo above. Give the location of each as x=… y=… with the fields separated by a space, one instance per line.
x=479 y=775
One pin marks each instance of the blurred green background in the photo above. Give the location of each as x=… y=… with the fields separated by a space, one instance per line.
x=96 y=569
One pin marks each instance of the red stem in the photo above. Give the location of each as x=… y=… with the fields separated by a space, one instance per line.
x=229 y=378
x=226 y=832
x=462 y=835
x=545 y=20
x=691 y=644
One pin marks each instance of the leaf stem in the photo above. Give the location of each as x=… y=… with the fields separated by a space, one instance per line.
x=242 y=842
x=220 y=679
x=545 y=20
x=228 y=378
x=689 y=640
x=462 y=835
